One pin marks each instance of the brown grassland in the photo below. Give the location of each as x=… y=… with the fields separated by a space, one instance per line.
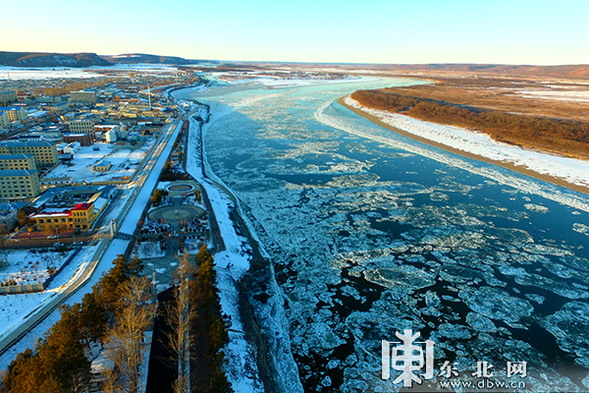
x=500 y=107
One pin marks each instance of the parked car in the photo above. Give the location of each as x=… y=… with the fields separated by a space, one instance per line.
x=52 y=237
x=58 y=245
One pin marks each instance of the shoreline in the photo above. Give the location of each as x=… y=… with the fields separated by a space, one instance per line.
x=507 y=165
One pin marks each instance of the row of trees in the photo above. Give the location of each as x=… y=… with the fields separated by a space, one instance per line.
x=115 y=315
x=59 y=361
x=556 y=135
x=205 y=299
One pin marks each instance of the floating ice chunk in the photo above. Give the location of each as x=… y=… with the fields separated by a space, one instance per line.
x=326 y=381
x=561 y=270
x=461 y=274
x=535 y=297
x=350 y=291
x=536 y=208
x=405 y=276
x=581 y=228
x=547 y=250
x=320 y=338
x=480 y=323
x=570 y=326
x=586 y=381
x=457 y=332
x=432 y=299
x=438 y=197
x=495 y=303
x=333 y=363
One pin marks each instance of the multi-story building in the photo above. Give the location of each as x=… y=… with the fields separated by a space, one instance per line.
x=45 y=153
x=86 y=97
x=7 y=96
x=19 y=184
x=84 y=139
x=17 y=161
x=4 y=121
x=15 y=112
x=59 y=107
x=83 y=127
x=49 y=99
x=63 y=210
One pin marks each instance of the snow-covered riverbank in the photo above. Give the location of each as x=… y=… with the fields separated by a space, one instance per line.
x=546 y=166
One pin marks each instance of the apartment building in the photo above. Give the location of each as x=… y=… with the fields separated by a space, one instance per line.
x=45 y=152
x=4 y=121
x=83 y=127
x=7 y=96
x=15 y=113
x=83 y=96
x=17 y=161
x=19 y=184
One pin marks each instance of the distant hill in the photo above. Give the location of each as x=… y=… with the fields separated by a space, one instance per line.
x=34 y=59
x=41 y=59
x=135 y=58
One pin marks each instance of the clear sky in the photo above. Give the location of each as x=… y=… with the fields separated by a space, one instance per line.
x=369 y=31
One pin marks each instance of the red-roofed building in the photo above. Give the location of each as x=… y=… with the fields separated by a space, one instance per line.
x=81 y=216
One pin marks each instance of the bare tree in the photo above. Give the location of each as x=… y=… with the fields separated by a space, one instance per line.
x=180 y=317
x=125 y=339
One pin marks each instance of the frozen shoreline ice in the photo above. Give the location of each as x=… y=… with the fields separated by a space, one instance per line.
x=572 y=170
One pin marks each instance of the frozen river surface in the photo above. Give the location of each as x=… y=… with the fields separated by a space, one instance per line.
x=371 y=233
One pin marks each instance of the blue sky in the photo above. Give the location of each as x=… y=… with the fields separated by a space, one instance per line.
x=406 y=32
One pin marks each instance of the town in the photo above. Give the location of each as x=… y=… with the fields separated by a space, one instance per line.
x=93 y=177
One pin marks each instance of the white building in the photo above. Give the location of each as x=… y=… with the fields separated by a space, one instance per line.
x=111 y=136
x=72 y=147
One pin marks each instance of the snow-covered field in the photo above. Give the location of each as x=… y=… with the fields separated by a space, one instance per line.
x=16 y=307
x=30 y=267
x=124 y=162
x=39 y=73
x=572 y=170
x=15 y=73
x=560 y=95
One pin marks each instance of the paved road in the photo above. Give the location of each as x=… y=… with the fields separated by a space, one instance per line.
x=41 y=313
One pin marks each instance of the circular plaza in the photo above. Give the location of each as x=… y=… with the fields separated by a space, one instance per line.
x=176 y=214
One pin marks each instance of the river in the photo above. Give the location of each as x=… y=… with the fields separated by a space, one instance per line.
x=370 y=233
